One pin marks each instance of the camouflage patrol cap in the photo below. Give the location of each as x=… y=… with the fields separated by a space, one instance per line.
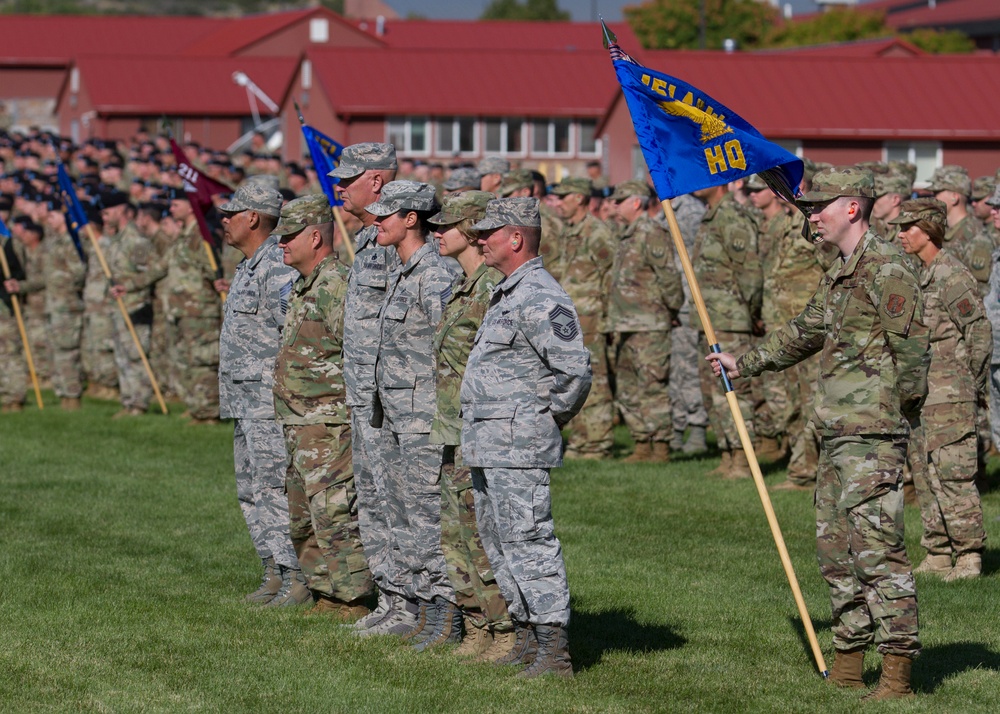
x=501 y=212
x=755 y=183
x=838 y=181
x=459 y=206
x=403 y=194
x=109 y=199
x=493 y=165
x=994 y=200
x=268 y=180
x=905 y=168
x=572 y=185
x=627 y=189
x=951 y=178
x=311 y=210
x=983 y=187
x=893 y=180
x=254 y=195
x=516 y=180
x=921 y=209
x=462 y=177
x=358 y=158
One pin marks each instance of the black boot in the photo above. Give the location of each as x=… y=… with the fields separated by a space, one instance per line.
x=553 y=653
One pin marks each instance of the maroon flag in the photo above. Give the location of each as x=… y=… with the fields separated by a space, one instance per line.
x=199 y=189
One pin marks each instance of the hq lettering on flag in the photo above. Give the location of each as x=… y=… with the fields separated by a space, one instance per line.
x=690 y=141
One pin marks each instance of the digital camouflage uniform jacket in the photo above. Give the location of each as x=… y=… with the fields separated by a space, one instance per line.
x=309 y=370
x=528 y=374
x=866 y=320
x=646 y=290
x=452 y=343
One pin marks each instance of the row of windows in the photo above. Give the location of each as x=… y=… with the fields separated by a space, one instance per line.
x=469 y=136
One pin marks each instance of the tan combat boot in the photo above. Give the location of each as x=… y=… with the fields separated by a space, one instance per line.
x=501 y=646
x=770 y=449
x=847 y=668
x=739 y=467
x=787 y=485
x=968 y=565
x=642 y=454
x=11 y=408
x=294 y=590
x=661 y=452
x=723 y=468
x=525 y=646
x=270 y=583
x=476 y=640
x=553 y=653
x=894 y=683
x=70 y=404
x=934 y=565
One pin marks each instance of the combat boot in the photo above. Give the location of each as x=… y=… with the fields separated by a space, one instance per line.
x=345 y=611
x=402 y=619
x=503 y=643
x=553 y=653
x=787 y=485
x=739 y=467
x=525 y=646
x=723 y=468
x=661 y=452
x=935 y=565
x=967 y=565
x=847 y=668
x=70 y=404
x=294 y=590
x=447 y=627
x=12 y=408
x=425 y=618
x=696 y=441
x=677 y=442
x=270 y=583
x=476 y=640
x=770 y=449
x=386 y=602
x=894 y=682
x=643 y=453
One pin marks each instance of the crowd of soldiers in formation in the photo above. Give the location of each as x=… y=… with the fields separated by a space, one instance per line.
x=610 y=250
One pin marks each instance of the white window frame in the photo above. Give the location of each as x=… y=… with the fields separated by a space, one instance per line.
x=598 y=143
x=407 y=129
x=551 y=138
x=911 y=153
x=505 y=134
x=452 y=125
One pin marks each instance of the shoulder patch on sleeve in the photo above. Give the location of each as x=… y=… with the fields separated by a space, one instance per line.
x=564 y=323
x=445 y=297
x=898 y=301
x=283 y=294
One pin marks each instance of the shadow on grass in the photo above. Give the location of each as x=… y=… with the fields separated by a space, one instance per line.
x=940 y=662
x=991 y=561
x=594 y=633
x=800 y=630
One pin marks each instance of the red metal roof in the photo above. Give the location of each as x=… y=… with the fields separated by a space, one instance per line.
x=813 y=96
x=60 y=38
x=504 y=35
x=945 y=12
x=179 y=85
x=466 y=82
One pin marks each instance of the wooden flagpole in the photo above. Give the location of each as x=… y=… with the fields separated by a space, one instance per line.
x=20 y=327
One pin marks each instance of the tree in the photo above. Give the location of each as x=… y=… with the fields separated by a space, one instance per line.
x=676 y=24
x=838 y=25
x=545 y=10
x=941 y=41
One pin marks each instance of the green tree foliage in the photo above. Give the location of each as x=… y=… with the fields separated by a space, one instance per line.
x=837 y=25
x=675 y=24
x=546 y=10
x=941 y=41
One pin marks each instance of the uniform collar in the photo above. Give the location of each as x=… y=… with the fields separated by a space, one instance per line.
x=511 y=281
x=305 y=282
x=259 y=253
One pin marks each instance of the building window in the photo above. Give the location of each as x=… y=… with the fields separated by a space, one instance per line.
x=925 y=155
x=551 y=137
x=457 y=136
x=408 y=134
x=319 y=30
x=589 y=144
x=505 y=136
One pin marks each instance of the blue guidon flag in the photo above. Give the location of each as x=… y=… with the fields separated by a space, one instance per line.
x=325 y=155
x=689 y=140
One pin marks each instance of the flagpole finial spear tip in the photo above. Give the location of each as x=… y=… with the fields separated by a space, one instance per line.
x=609 y=37
x=299 y=112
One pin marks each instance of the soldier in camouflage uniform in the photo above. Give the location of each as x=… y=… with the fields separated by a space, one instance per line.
x=982 y=190
x=14 y=372
x=992 y=303
x=491 y=170
x=129 y=253
x=645 y=296
x=405 y=401
x=866 y=322
x=965 y=237
x=685 y=388
x=461 y=179
x=97 y=344
x=892 y=187
x=588 y=254
x=728 y=271
x=362 y=172
x=961 y=350
x=65 y=272
x=253 y=319
x=489 y=631
x=528 y=374
x=311 y=405
x=33 y=294
x=149 y=221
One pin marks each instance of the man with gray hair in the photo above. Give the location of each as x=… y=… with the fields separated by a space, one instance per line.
x=252 y=321
x=363 y=171
x=528 y=374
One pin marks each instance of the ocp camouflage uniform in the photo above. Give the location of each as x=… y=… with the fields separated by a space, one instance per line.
x=65 y=274
x=645 y=294
x=33 y=308
x=253 y=317
x=586 y=268
x=97 y=346
x=311 y=405
x=866 y=321
x=969 y=243
x=366 y=290
x=551 y=247
x=961 y=344
x=728 y=270
x=159 y=344
x=528 y=374
x=472 y=578
x=13 y=368
x=405 y=379
x=686 y=399
x=129 y=253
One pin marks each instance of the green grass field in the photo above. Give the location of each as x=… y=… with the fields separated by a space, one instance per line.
x=125 y=561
